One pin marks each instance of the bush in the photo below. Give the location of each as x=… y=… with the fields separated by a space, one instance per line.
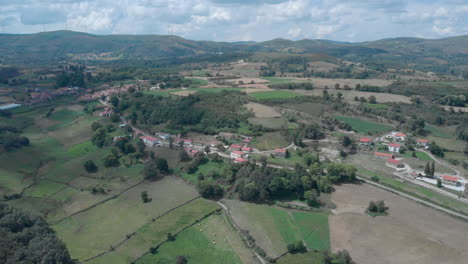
x=90 y=167
x=296 y=247
x=377 y=208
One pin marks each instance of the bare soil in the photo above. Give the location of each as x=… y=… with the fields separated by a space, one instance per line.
x=411 y=233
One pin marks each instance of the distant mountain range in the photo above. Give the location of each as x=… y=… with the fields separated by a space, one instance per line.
x=66 y=45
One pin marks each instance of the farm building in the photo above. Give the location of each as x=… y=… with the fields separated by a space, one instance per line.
x=452 y=180
x=234 y=147
x=150 y=141
x=240 y=160
x=423 y=143
x=394 y=163
x=383 y=155
x=187 y=142
x=365 y=141
x=237 y=154
x=393 y=147
x=163 y=136
x=280 y=153
x=398 y=136
x=246 y=149
x=105 y=113
x=191 y=152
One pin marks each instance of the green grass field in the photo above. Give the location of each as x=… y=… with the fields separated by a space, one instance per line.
x=375 y=106
x=277 y=80
x=364 y=127
x=205 y=169
x=154 y=233
x=309 y=258
x=269 y=122
x=437 y=132
x=314 y=229
x=270 y=141
x=289 y=161
x=65 y=117
x=197 y=82
x=419 y=154
x=198 y=246
x=274 y=95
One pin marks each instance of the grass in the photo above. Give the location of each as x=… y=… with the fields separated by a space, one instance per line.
x=419 y=154
x=270 y=141
x=269 y=122
x=277 y=80
x=197 y=82
x=437 y=132
x=65 y=117
x=364 y=127
x=154 y=233
x=274 y=95
x=375 y=106
x=197 y=246
x=96 y=230
x=309 y=258
x=314 y=229
x=205 y=169
x=197 y=90
x=289 y=161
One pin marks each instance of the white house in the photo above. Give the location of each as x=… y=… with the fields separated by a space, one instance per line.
x=423 y=143
x=149 y=141
x=237 y=154
x=394 y=147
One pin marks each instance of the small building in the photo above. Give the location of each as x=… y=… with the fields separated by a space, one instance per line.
x=186 y=142
x=394 y=147
x=191 y=152
x=394 y=163
x=240 y=160
x=247 y=141
x=150 y=141
x=423 y=143
x=105 y=113
x=163 y=136
x=246 y=149
x=237 y=154
x=383 y=155
x=365 y=141
x=234 y=147
x=122 y=125
x=280 y=153
x=399 y=136
x=451 y=180
x=117 y=138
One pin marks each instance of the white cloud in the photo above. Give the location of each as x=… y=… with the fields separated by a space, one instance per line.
x=345 y=20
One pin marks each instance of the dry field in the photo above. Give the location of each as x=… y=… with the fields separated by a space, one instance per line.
x=248 y=81
x=261 y=110
x=184 y=93
x=255 y=86
x=321 y=66
x=411 y=233
x=254 y=90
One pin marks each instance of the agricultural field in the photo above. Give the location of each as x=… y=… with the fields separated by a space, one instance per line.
x=274 y=95
x=410 y=233
x=273 y=228
x=261 y=110
x=364 y=127
x=270 y=122
x=269 y=141
x=309 y=258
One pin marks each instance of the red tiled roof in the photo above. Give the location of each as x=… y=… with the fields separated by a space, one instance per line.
x=380 y=154
x=423 y=140
x=450 y=178
x=240 y=160
x=246 y=140
x=235 y=146
x=238 y=152
x=365 y=140
x=394 y=145
x=280 y=150
x=400 y=134
x=149 y=138
x=187 y=140
x=393 y=161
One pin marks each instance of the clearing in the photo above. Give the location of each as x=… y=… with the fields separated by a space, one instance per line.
x=261 y=110
x=364 y=127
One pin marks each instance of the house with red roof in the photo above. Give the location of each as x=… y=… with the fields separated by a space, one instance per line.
x=394 y=163
x=105 y=113
x=149 y=141
x=240 y=160
x=423 y=143
x=394 y=147
x=246 y=149
x=191 y=152
x=280 y=153
x=365 y=141
x=237 y=154
x=452 y=180
x=400 y=136
x=234 y=147
x=383 y=155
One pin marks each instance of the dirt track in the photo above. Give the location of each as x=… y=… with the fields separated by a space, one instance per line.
x=411 y=233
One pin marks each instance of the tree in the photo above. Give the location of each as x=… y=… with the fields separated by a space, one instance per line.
x=161 y=165
x=181 y=260
x=427 y=170
x=90 y=167
x=150 y=171
x=111 y=161
x=114 y=100
x=312 y=198
x=439 y=183
x=170 y=237
x=436 y=150
x=296 y=247
x=145 y=198
x=346 y=141
x=377 y=208
x=433 y=169
x=141 y=146
x=372 y=99
x=183 y=156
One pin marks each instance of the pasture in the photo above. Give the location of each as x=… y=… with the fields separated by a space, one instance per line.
x=309 y=258
x=273 y=228
x=269 y=141
x=364 y=127
x=274 y=95
x=269 y=122
x=261 y=110
x=96 y=230
x=154 y=233
x=210 y=241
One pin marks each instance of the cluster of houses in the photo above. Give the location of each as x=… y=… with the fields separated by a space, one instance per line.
x=393 y=141
x=38 y=95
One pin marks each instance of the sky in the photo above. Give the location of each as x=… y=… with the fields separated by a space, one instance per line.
x=242 y=20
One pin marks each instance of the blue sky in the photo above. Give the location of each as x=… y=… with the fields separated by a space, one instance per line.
x=242 y=20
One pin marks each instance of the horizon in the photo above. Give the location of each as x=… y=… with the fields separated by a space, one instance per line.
x=240 y=20
x=234 y=41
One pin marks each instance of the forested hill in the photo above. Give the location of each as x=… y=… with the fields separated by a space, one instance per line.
x=64 y=45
